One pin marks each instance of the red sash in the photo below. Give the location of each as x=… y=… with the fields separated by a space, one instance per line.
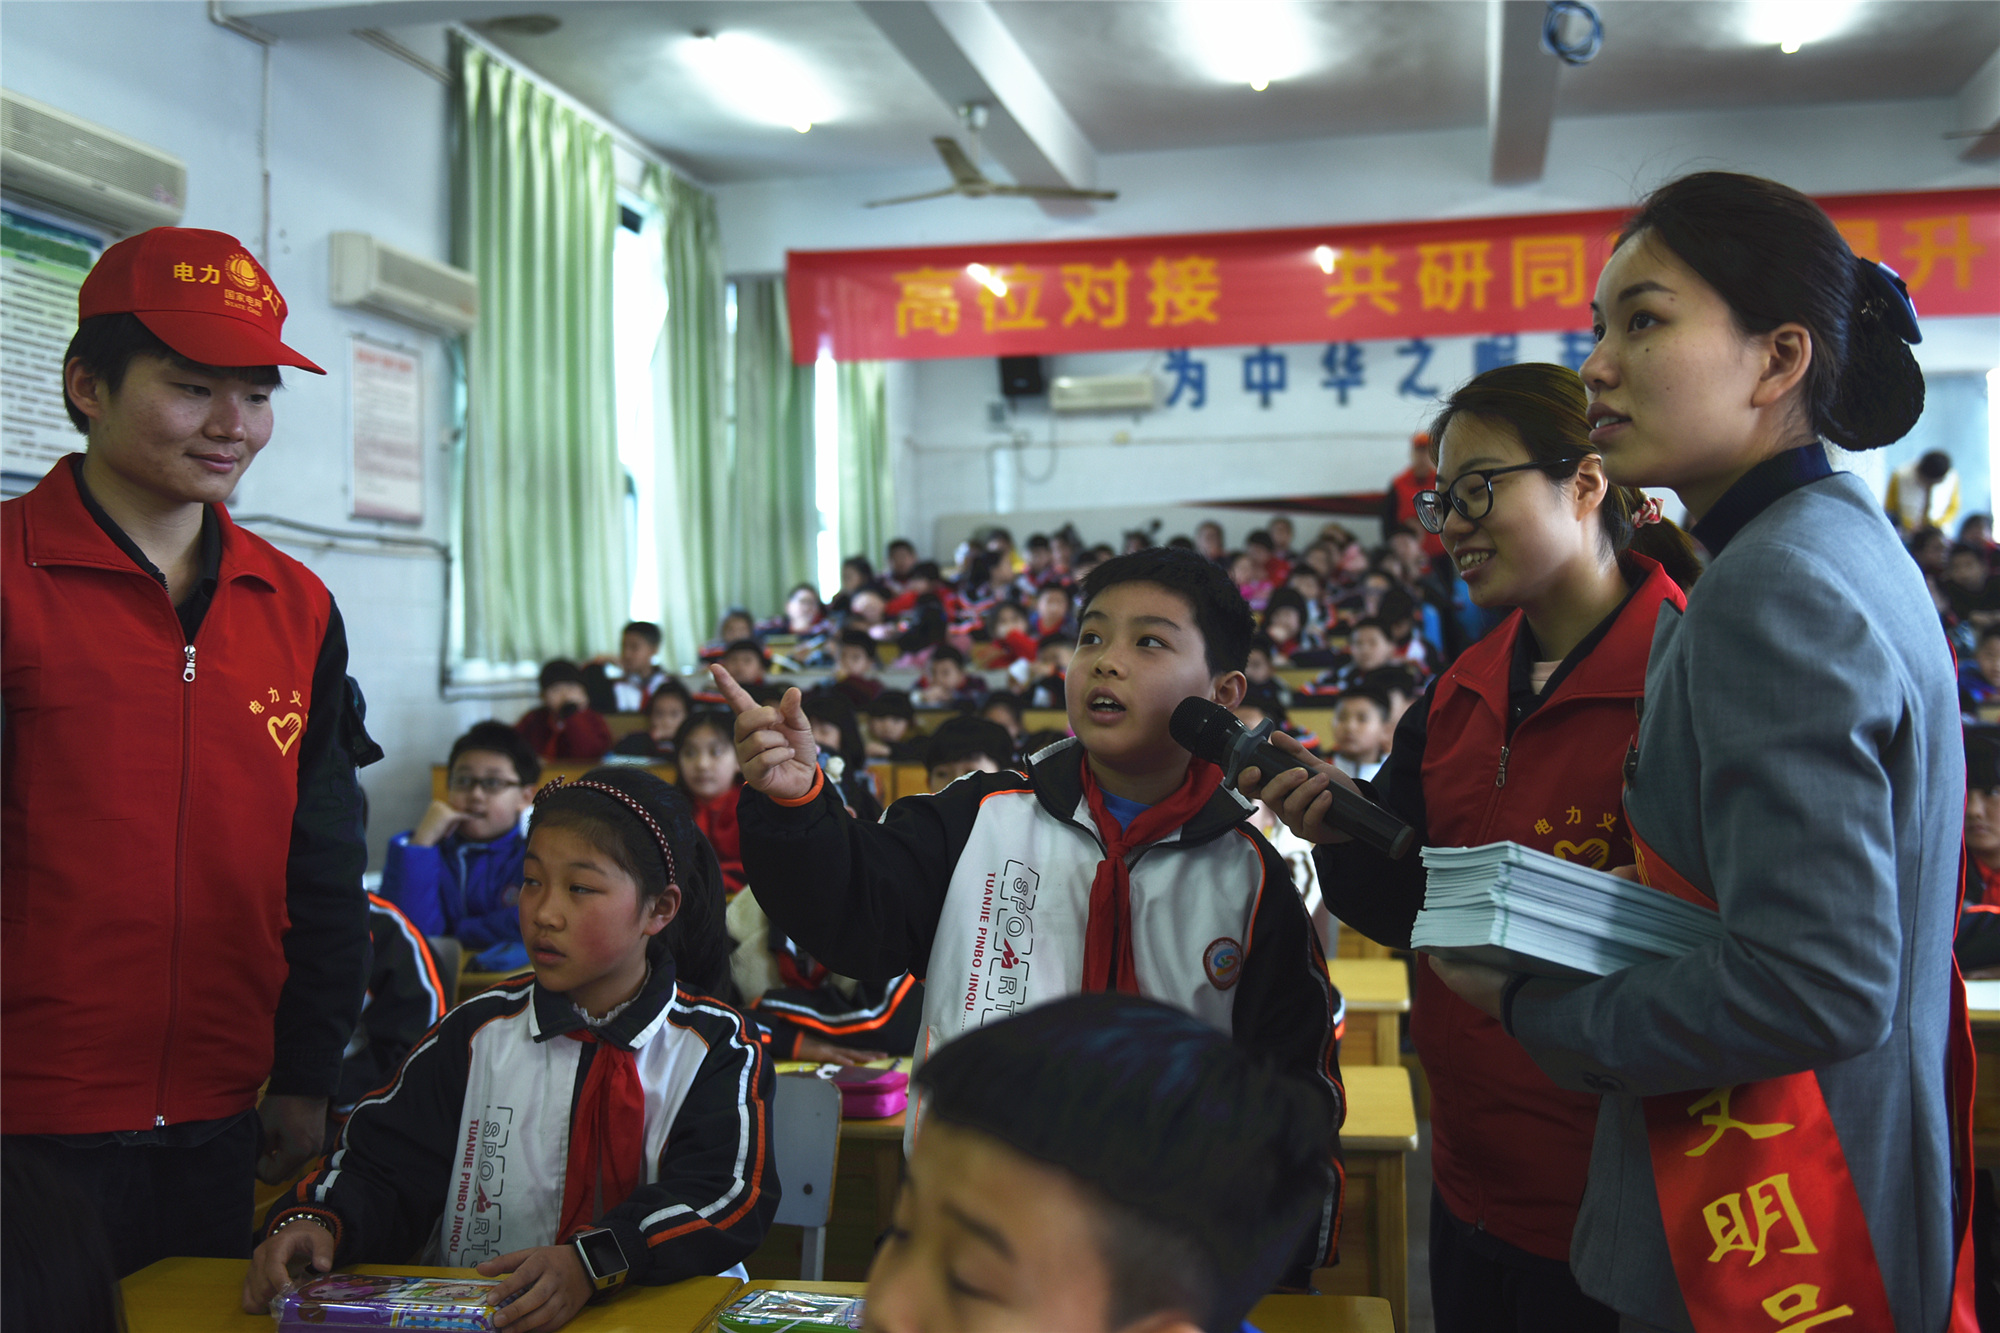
x=1762 y=1217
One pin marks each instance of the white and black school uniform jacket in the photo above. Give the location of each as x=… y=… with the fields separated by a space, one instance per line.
x=462 y=1156
x=983 y=891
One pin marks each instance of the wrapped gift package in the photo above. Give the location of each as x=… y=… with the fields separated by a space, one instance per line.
x=343 y=1301
x=774 y=1311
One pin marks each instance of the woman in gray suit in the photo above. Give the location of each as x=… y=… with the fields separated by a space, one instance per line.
x=1779 y=1144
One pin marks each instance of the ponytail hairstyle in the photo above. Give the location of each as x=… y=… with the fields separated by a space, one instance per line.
x=696 y=941
x=1776 y=258
x=1543 y=405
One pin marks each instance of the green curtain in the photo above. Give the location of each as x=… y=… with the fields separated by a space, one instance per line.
x=539 y=519
x=776 y=542
x=693 y=483
x=867 y=488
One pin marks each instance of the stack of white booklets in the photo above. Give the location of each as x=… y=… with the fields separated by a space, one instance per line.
x=1527 y=911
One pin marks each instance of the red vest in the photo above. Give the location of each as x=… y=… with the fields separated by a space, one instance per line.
x=1510 y=1148
x=145 y=817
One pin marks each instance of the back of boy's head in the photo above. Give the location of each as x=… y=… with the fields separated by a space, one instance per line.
x=1284 y=597
x=1209 y=1163
x=960 y=738
x=499 y=738
x=892 y=703
x=646 y=630
x=857 y=638
x=1221 y=616
x=828 y=705
x=1376 y=623
x=696 y=939
x=944 y=652
x=751 y=646
x=1008 y=700
x=1390 y=681
x=1365 y=695
x=1048 y=641
x=560 y=671
x=1982 y=758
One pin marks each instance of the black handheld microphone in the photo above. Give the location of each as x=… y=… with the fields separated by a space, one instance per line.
x=1209 y=731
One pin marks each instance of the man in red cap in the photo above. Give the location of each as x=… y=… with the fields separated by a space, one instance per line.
x=1399 y=507
x=180 y=826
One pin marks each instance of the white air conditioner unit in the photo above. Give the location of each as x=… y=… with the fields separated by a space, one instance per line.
x=1102 y=393
x=53 y=156
x=369 y=275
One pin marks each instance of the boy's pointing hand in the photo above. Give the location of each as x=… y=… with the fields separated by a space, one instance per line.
x=774 y=745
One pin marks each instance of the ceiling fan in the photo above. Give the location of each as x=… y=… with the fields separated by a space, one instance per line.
x=970 y=182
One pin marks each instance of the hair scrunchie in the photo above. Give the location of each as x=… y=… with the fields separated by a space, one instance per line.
x=1648 y=513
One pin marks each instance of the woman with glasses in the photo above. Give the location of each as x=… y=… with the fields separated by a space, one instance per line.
x=1522 y=739
x=458 y=872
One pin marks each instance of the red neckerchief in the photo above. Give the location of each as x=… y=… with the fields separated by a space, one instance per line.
x=1107 y=946
x=606 y=1138
x=1989 y=881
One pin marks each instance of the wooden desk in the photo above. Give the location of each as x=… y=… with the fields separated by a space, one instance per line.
x=1377 y=991
x=206 y=1296
x=1381 y=1131
x=1273 y=1314
x=1986 y=1087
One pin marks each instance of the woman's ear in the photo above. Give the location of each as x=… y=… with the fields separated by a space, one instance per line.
x=665 y=908
x=1592 y=486
x=1787 y=353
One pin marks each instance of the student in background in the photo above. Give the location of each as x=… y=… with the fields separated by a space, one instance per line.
x=1007 y=710
x=1047 y=677
x=1979 y=679
x=736 y=625
x=1396 y=684
x=836 y=729
x=902 y=560
x=1054 y=613
x=1924 y=493
x=888 y=721
x=1058 y=1182
x=638 y=673
x=962 y=745
x=948 y=684
x=632 y=1102
x=565 y=726
x=1361 y=734
x=405 y=997
x=1264 y=684
x=1369 y=648
x=1210 y=543
x=854 y=672
x=1008 y=638
x=747 y=661
x=665 y=711
x=455 y=873
x=1523 y=739
x=707 y=774
x=873 y=900
x=1977 y=945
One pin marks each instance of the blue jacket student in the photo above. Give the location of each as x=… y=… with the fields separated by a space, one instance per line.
x=462 y=888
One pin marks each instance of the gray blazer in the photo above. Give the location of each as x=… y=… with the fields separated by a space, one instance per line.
x=1800 y=761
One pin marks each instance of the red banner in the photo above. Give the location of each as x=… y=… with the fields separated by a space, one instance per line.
x=1459 y=278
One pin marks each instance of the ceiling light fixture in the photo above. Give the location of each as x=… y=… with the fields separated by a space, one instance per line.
x=1791 y=24
x=1258 y=42
x=759 y=79
x=1324 y=256
x=987 y=278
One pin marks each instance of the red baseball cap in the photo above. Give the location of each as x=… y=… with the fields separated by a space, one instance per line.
x=200 y=293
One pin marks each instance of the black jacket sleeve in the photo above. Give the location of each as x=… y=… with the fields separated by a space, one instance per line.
x=1365 y=889
x=885 y=1017
x=862 y=898
x=326 y=947
x=1288 y=1011
x=405 y=997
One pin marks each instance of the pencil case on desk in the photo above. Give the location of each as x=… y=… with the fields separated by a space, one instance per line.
x=354 y=1301
x=872 y=1094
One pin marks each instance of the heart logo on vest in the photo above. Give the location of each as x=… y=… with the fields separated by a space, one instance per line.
x=1595 y=853
x=285 y=731
x=1223 y=961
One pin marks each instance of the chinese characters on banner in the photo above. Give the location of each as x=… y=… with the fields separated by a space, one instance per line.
x=1493 y=278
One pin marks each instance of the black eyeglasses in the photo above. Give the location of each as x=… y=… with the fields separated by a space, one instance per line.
x=1471 y=494
x=464 y=782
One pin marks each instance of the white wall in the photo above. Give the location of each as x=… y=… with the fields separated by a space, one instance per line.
x=357 y=143
x=951 y=462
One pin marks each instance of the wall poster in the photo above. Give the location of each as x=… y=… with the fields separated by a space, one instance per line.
x=386 y=416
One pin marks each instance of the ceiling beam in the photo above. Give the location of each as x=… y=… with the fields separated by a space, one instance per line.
x=1977 y=108
x=329 y=18
x=1520 y=91
x=962 y=50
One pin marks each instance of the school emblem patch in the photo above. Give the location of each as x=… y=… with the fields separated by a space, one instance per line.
x=1223 y=961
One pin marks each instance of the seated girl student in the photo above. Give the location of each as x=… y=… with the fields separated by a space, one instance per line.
x=705 y=757
x=1123 y=856
x=456 y=872
x=1099 y=1164
x=1799 y=767
x=565 y=726
x=665 y=711
x=606 y=1093
x=1521 y=739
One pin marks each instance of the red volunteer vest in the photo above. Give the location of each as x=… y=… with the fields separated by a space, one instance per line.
x=1510 y=1149
x=145 y=818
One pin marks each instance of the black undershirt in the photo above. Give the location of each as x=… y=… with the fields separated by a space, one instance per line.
x=193 y=608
